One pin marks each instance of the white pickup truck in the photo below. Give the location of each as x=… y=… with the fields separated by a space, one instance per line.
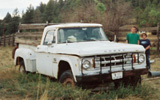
x=80 y=53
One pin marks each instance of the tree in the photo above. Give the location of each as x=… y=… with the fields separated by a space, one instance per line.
x=7 y=18
x=37 y=16
x=100 y=6
x=41 y=7
x=29 y=15
x=15 y=13
x=1 y=28
x=50 y=8
x=12 y=27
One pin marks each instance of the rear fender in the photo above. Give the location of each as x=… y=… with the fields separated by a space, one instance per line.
x=24 y=54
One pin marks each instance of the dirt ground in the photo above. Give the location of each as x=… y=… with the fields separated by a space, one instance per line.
x=6 y=63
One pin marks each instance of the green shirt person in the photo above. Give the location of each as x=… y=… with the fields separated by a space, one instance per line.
x=133 y=37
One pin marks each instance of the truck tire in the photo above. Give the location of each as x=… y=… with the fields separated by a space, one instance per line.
x=67 y=78
x=129 y=81
x=136 y=80
x=132 y=81
x=22 y=68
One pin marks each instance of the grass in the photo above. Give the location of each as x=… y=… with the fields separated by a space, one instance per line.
x=153 y=50
x=35 y=86
x=15 y=86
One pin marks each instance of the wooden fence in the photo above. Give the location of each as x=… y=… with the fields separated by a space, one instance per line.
x=158 y=39
x=7 y=40
x=152 y=34
x=32 y=33
x=123 y=31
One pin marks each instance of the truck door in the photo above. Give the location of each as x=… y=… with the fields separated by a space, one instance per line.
x=44 y=56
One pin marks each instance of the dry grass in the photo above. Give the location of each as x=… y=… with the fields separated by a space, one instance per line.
x=20 y=87
x=6 y=63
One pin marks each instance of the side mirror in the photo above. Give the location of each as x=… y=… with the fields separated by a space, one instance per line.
x=115 y=38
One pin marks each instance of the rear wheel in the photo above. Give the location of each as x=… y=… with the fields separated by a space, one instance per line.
x=22 y=68
x=67 y=78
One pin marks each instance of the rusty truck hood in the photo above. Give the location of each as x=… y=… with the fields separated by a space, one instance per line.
x=97 y=48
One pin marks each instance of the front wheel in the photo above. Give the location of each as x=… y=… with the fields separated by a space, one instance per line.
x=67 y=78
x=133 y=81
x=129 y=81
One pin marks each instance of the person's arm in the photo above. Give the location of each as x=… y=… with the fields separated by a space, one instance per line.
x=147 y=47
x=138 y=39
x=127 y=38
x=126 y=41
x=138 y=42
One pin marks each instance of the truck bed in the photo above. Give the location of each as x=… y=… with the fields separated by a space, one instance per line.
x=32 y=47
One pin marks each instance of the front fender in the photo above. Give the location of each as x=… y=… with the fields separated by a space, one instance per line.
x=74 y=63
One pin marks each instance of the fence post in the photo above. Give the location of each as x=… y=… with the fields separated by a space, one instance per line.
x=0 y=40
x=9 y=41
x=13 y=39
x=158 y=30
x=4 y=40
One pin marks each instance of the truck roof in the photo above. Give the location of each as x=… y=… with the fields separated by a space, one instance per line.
x=66 y=25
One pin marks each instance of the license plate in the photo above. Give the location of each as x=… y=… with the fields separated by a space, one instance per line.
x=117 y=75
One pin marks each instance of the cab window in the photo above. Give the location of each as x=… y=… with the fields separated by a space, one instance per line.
x=50 y=38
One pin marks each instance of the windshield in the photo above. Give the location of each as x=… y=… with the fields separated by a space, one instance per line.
x=71 y=35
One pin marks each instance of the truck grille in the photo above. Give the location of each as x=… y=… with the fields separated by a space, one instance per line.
x=116 y=60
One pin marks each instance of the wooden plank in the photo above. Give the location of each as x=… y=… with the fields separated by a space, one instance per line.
x=4 y=41
x=148 y=29
x=0 y=41
x=149 y=36
x=122 y=33
x=35 y=26
x=13 y=39
x=124 y=38
x=30 y=38
x=27 y=41
x=128 y=28
x=158 y=28
x=30 y=26
x=29 y=34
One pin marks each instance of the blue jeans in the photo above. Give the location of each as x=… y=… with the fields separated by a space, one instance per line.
x=147 y=61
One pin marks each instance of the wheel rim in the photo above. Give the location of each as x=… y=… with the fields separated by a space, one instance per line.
x=69 y=81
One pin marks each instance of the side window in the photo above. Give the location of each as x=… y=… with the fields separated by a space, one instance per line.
x=50 y=38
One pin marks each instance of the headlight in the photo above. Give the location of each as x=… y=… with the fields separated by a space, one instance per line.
x=135 y=56
x=138 y=58
x=141 y=58
x=86 y=64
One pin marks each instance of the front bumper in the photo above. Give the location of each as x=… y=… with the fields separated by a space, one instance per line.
x=107 y=77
